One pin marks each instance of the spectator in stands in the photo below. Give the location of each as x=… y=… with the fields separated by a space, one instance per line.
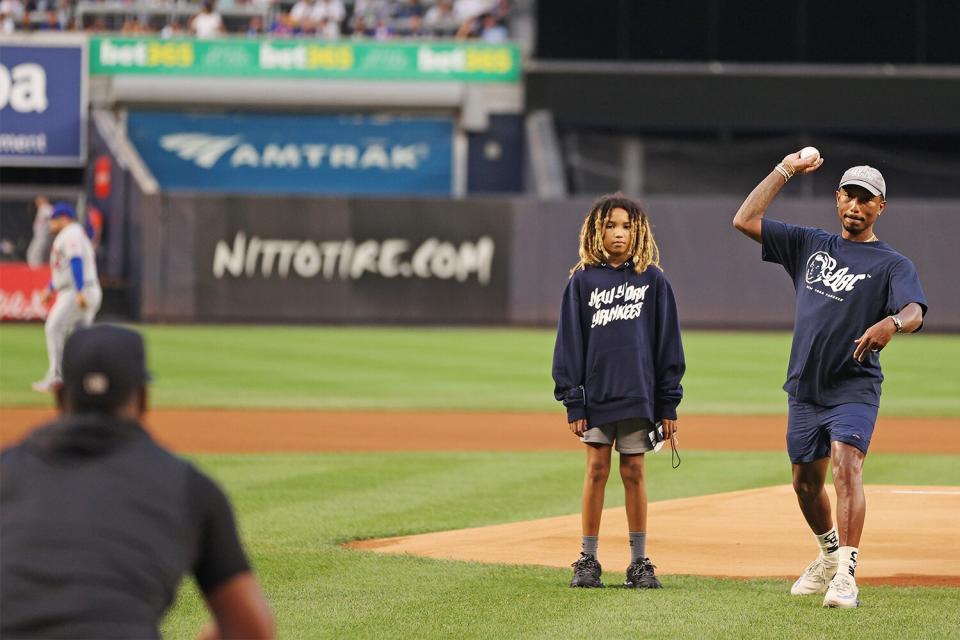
x=207 y=23
x=11 y=12
x=13 y=9
x=283 y=26
x=408 y=9
x=255 y=27
x=173 y=29
x=99 y=25
x=441 y=17
x=370 y=10
x=492 y=30
x=471 y=9
x=360 y=30
x=382 y=30
x=327 y=16
x=328 y=29
x=130 y=26
x=38 y=251
x=415 y=29
x=469 y=29
x=301 y=15
x=7 y=24
x=51 y=22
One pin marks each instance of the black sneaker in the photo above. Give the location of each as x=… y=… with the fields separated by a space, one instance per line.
x=640 y=575
x=586 y=572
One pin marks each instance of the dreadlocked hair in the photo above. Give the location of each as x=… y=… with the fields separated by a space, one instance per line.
x=643 y=248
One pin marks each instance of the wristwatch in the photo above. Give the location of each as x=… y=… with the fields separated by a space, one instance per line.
x=898 y=323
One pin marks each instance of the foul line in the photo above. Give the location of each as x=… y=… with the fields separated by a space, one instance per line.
x=929 y=493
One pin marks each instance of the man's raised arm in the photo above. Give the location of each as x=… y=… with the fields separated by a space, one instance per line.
x=749 y=216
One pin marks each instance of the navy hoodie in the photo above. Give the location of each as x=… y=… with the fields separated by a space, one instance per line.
x=618 y=353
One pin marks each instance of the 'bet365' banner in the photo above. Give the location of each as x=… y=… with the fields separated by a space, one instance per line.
x=305 y=59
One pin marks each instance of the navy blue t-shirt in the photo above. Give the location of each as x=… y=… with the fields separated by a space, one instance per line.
x=843 y=288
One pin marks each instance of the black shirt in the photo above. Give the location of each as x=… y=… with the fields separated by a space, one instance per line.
x=97 y=526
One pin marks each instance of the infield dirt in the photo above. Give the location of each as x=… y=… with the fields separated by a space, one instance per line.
x=221 y=431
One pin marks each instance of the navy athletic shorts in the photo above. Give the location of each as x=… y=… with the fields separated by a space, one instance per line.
x=811 y=428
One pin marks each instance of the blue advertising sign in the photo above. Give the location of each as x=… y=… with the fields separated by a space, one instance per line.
x=43 y=102
x=285 y=153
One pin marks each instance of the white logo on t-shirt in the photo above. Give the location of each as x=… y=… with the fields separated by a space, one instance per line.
x=821 y=268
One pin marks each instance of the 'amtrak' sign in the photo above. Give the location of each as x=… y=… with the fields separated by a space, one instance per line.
x=256 y=153
x=43 y=101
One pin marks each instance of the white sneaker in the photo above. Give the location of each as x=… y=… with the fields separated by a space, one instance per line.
x=843 y=592
x=45 y=386
x=816 y=578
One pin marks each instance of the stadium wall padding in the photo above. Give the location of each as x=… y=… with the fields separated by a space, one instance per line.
x=208 y=258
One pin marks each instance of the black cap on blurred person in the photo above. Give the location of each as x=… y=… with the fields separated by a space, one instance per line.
x=103 y=366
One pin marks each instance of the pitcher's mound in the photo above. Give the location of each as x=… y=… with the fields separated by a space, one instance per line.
x=909 y=537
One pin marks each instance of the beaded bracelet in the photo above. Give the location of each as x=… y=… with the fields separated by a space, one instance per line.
x=784 y=171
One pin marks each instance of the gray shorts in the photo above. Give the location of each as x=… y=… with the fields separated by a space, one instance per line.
x=630 y=435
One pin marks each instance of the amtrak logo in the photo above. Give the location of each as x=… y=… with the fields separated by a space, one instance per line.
x=205 y=150
x=822 y=267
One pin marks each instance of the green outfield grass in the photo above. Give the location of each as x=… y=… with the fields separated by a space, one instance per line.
x=295 y=510
x=459 y=369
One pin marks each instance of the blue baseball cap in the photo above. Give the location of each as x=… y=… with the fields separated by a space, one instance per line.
x=103 y=366
x=62 y=209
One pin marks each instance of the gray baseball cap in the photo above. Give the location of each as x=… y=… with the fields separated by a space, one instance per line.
x=866 y=177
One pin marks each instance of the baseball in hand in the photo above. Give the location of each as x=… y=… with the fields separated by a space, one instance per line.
x=806 y=152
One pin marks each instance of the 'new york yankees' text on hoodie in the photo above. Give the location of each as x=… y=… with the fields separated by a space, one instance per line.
x=618 y=353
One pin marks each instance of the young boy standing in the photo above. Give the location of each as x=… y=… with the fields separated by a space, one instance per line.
x=617 y=365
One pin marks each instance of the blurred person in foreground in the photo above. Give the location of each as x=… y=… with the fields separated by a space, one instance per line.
x=100 y=523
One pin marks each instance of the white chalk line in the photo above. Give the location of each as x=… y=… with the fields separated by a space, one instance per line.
x=928 y=493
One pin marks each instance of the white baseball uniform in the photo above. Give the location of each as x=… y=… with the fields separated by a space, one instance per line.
x=40 y=242
x=66 y=314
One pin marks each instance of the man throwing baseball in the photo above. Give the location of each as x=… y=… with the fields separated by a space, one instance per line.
x=853 y=294
x=73 y=278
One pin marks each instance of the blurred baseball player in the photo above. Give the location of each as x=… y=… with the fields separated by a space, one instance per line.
x=40 y=242
x=73 y=277
x=853 y=293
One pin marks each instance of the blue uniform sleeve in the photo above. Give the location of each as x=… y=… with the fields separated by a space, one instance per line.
x=904 y=288
x=782 y=243
x=569 y=354
x=76 y=266
x=670 y=363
